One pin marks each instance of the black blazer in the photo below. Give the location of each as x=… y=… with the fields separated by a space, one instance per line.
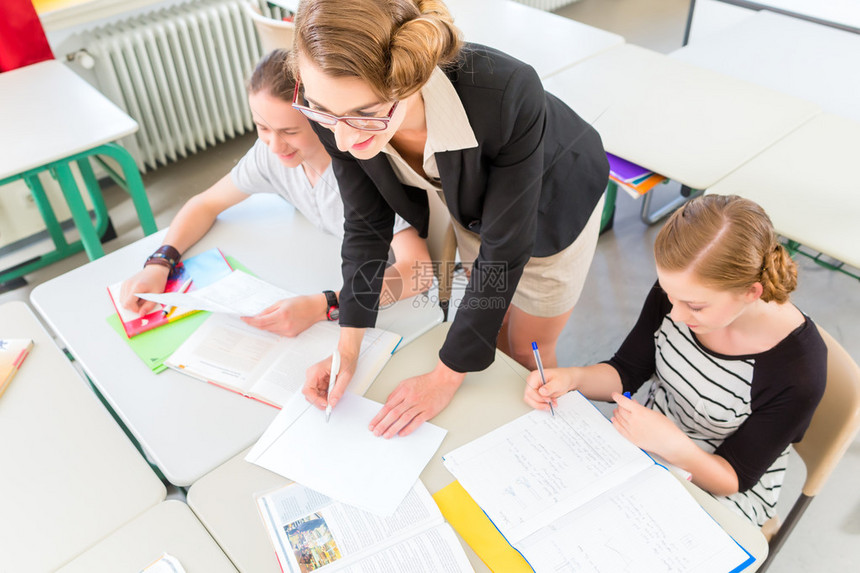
x=527 y=189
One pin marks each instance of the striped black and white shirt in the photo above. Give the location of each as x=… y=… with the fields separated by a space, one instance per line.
x=747 y=409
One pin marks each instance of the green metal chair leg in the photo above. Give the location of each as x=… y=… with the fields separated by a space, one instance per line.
x=96 y=198
x=69 y=186
x=47 y=211
x=130 y=181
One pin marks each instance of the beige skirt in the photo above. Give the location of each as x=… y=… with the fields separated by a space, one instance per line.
x=551 y=285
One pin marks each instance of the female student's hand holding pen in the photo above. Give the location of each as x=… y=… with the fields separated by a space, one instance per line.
x=595 y=382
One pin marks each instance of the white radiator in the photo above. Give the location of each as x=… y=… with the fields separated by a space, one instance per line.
x=180 y=72
x=548 y=5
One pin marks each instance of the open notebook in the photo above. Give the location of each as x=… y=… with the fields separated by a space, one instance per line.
x=571 y=494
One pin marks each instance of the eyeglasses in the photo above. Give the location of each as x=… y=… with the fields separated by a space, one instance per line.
x=362 y=123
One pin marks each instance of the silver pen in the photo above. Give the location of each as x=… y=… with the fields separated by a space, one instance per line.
x=335 y=369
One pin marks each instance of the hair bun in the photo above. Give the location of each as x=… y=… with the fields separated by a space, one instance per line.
x=419 y=45
x=393 y=45
x=778 y=276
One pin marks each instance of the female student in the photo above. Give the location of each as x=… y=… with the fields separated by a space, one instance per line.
x=736 y=370
x=287 y=159
x=405 y=109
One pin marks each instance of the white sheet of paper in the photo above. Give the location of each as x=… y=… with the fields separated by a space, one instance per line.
x=343 y=459
x=237 y=293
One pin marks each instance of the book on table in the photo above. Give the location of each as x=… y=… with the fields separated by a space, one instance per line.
x=569 y=493
x=311 y=532
x=270 y=368
x=633 y=178
x=202 y=269
x=13 y=351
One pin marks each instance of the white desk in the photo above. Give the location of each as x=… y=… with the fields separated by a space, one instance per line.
x=805 y=184
x=75 y=116
x=810 y=61
x=169 y=527
x=69 y=475
x=844 y=13
x=51 y=118
x=188 y=427
x=224 y=499
x=544 y=40
x=690 y=124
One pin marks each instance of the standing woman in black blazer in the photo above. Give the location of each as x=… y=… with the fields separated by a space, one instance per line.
x=404 y=108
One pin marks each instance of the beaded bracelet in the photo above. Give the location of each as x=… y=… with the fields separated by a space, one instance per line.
x=165 y=256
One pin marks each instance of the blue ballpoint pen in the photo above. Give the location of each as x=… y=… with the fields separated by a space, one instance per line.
x=540 y=369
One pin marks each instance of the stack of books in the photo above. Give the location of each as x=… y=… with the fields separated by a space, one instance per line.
x=633 y=178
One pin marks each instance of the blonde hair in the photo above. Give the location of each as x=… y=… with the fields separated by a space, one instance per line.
x=393 y=45
x=729 y=244
x=273 y=77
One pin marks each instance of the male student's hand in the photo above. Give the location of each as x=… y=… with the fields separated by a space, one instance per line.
x=291 y=316
x=416 y=400
x=152 y=279
x=559 y=381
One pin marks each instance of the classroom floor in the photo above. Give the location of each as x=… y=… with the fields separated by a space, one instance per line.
x=827 y=537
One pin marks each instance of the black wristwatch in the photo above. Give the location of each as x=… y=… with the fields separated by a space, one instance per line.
x=333 y=311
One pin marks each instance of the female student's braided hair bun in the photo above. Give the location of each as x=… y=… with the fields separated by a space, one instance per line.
x=779 y=275
x=729 y=244
x=394 y=45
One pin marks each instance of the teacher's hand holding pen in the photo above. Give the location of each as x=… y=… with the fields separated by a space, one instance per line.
x=317 y=377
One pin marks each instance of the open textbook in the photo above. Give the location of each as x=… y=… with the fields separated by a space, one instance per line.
x=571 y=494
x=311 y=532
x=270 y=368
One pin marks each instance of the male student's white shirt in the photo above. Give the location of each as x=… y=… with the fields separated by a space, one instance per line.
x=260 y=171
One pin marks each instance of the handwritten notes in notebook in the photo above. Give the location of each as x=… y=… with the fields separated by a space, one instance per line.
x=571 y=494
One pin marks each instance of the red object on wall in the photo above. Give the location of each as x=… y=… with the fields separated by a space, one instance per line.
x=22 y=39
